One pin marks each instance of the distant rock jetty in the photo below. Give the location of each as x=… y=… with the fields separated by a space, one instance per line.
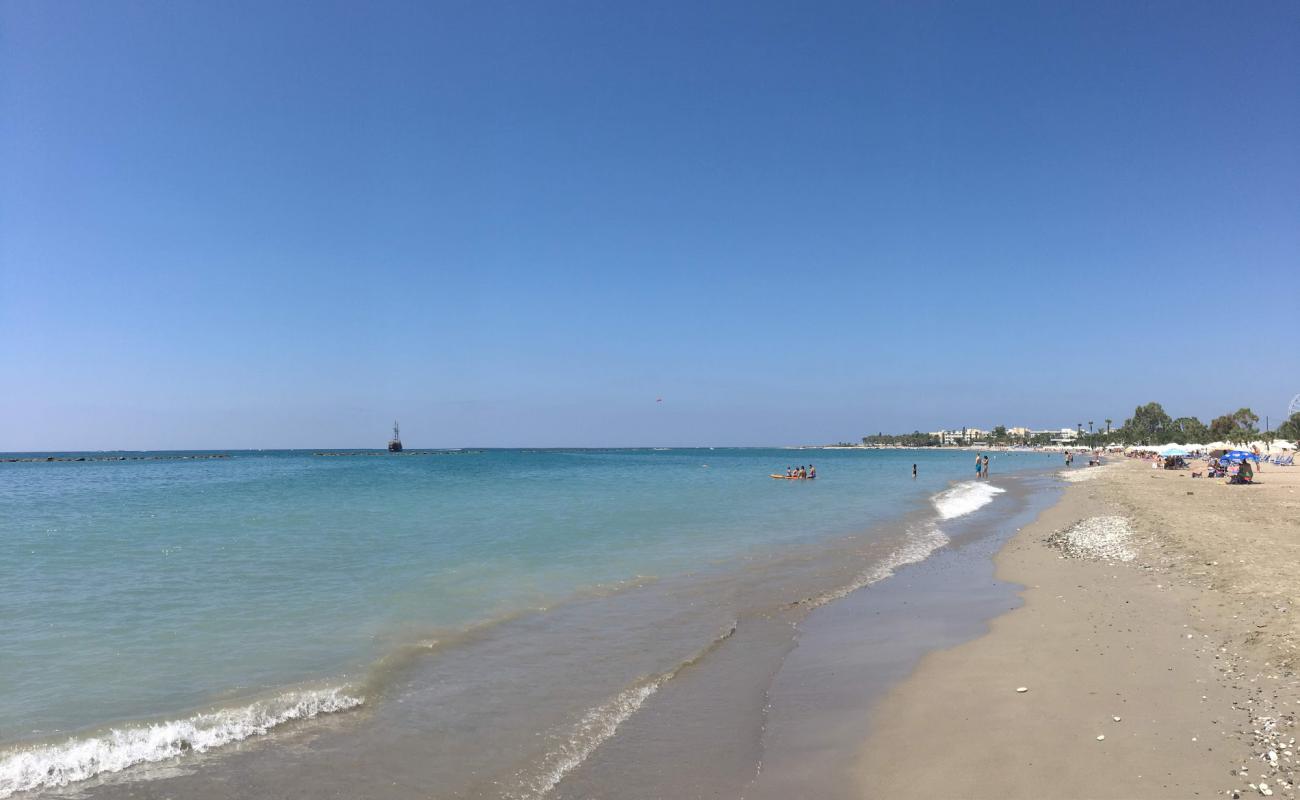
x=34 y=459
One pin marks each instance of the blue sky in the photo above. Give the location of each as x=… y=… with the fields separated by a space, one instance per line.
x=283 y=225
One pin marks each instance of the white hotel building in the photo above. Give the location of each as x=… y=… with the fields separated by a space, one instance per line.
x=967 y=435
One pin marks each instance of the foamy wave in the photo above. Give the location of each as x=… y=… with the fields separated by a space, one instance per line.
x=590 y=732
x=964 y=498
x=917 y=548
x=596 y=726
x=79 y=759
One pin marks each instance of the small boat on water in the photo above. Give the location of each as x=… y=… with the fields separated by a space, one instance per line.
x=395 y=443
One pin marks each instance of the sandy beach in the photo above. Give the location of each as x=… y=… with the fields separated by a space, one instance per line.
x=1155 y=653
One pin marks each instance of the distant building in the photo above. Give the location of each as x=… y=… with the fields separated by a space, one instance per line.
x=1058 y=435
x=959 y=435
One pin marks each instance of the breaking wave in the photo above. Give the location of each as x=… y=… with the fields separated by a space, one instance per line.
x=964 y=498
x=77 y=759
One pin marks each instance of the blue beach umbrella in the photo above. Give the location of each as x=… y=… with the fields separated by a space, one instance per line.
x=1237 y=456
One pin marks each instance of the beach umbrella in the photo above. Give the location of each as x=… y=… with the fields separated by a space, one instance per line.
x=1283 y=444
x=1237 y=456
x=1173 y=450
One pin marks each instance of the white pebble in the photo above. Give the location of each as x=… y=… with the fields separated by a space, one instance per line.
x=1022 y=689
x=1101 y=737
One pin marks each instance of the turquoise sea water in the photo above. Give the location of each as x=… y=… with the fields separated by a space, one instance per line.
x=149 y=590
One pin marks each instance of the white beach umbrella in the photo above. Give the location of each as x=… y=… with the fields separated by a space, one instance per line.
x=1283 y=444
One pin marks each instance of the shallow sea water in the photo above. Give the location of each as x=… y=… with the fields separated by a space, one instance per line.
x=476 y=624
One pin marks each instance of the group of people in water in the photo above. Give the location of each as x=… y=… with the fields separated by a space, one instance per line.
x=801 y=473
x=1094 y=458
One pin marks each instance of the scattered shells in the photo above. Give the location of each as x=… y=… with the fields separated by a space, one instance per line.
x=1096 y=539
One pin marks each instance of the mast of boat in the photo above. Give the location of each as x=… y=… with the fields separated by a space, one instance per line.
x=395 y=444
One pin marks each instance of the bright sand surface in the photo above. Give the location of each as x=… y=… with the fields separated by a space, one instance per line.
x=1164 y=601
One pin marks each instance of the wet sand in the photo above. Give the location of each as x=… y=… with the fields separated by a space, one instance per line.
x=851 y=652
x=1170 y=608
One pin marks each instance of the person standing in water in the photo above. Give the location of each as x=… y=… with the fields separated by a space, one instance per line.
x=913 y=472
x=979 y=464
x=986 y=467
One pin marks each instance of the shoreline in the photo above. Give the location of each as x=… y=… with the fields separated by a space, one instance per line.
x=1147 y=612
x=922 y=667
x=851 y=653
x=410 y=726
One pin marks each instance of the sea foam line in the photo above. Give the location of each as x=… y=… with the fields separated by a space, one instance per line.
x=923 y=540
x=918 y=547
x=964 y=498
x=76 y=759
x=596 y=726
